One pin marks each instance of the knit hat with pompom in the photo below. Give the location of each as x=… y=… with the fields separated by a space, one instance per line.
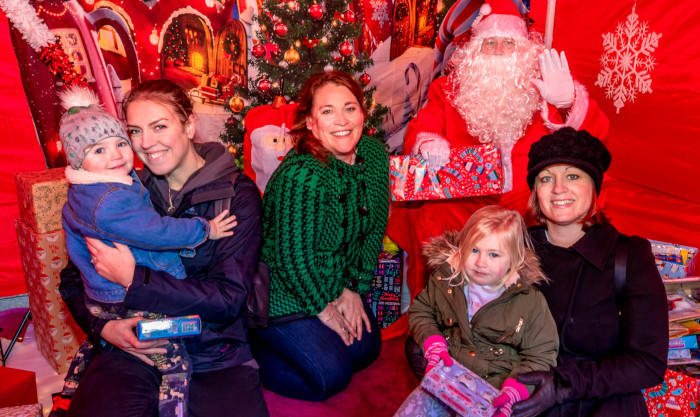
x=85 y=123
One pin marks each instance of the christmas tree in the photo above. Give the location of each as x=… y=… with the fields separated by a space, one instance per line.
x=298 y=38
x=174 y=44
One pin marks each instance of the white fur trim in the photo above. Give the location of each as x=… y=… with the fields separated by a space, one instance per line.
x=424 y=137
x=500 y=25
x=577 y=114
x=82 y=177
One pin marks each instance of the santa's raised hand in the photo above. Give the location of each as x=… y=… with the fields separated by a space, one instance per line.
x=556 y=85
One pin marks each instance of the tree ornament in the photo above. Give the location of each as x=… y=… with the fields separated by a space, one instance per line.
x=235 y=78
x=291 y=56
x=337 y=16
x=236 y=104
x=258 y=50
x=264 y=85
x=345 y=48
x=280 y=29
x=328 y=68
x=371 y=131
x=348 y=16
x=365 y=79
x=231 y=121
x=278 y=101
x=283 y=64
x=293 y=5
x=316 y=11
x=231 y=149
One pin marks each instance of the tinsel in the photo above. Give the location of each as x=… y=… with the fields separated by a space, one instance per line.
x=61 y=66
x=24 y=18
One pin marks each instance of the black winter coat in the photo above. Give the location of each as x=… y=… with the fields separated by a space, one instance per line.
x=608 y=352
x=218 y=277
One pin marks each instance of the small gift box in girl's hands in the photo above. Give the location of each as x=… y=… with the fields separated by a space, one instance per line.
x=471 y=172
x=461 y=389
x=169 y=327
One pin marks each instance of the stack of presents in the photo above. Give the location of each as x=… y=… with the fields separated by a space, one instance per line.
x=42 y=246
x=677 y=395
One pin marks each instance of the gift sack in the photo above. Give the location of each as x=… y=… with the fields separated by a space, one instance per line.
x=471 y=172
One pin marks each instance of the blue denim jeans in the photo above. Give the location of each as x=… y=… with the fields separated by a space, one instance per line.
x=305 y=360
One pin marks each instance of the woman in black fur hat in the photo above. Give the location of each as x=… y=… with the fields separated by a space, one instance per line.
x=605 y=292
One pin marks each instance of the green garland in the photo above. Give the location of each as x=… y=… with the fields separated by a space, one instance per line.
x=232 y=46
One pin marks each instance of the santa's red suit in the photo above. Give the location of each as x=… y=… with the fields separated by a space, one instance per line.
x=412 y=223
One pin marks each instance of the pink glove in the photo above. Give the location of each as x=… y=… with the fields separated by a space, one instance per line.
x=436 y=153
x=556 y=86
x=512 y=391
x=434 y=349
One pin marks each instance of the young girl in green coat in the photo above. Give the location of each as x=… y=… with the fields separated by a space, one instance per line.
x=480 y=307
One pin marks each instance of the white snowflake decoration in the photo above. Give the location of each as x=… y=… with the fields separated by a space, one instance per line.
x=379 y=11
x=627 y=61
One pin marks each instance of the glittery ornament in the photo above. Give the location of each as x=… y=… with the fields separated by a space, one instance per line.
x=258 y=51
x=291 y=56
x=316 y=11
x=349 y=16
x=236 y=104
x=280 y=29
x=345 y=48
x=264 y=85
x=365 y=79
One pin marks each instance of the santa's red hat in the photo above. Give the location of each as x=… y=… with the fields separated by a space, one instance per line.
x=499 y=18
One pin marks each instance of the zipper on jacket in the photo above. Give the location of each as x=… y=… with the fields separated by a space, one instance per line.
x=514 y=331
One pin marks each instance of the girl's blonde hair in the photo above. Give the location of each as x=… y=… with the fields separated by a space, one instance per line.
x=510 y=228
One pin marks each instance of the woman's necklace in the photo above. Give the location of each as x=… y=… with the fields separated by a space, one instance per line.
x=171 y=207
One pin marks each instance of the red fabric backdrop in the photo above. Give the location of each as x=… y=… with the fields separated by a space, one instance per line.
x=653 y=188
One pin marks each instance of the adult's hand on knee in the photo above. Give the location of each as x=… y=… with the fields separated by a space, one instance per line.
x=331 y=317
x=116 y=264
x=349 y=304
x=120 y=333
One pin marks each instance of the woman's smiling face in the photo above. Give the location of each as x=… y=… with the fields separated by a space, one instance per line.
x=336 y=120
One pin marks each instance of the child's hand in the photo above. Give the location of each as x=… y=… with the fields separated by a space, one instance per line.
x=512 y=391
x=434 y=349
x=219 y=226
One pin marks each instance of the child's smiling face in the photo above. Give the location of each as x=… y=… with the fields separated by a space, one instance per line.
x=112 y=156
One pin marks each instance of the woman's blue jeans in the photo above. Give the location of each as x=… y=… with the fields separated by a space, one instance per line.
x=305 y=360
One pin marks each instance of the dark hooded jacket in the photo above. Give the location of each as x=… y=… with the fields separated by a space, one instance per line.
x=512 y=334
x=610 y=349
x=218 y=277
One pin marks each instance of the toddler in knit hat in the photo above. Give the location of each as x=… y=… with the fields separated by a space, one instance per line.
x=107 y=201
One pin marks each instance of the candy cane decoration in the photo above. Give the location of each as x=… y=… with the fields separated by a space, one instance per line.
x=549 y=24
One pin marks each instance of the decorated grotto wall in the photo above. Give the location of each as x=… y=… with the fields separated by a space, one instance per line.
x=637 y=59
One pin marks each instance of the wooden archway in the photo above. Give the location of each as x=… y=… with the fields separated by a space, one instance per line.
x=231 y=57
x=402 y=30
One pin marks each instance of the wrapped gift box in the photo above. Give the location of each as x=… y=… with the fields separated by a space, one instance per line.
x=27 y=410
x=674 y=261
x=385 y=290
x=41 y=196
x=471 y=172
x=43 y=257
x=18 y=387
x=676 y=396
x=461 y=389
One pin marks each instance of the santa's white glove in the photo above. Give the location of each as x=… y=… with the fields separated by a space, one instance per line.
x=556 y=85
x=436 y=153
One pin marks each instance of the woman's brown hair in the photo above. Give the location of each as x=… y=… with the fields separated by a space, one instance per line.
x=164 y=92
x=303 y=139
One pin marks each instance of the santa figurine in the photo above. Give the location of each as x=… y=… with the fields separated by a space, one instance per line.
x=505 y=88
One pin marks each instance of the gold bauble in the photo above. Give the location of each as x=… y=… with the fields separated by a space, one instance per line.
x=236 y=104
x=291 y=56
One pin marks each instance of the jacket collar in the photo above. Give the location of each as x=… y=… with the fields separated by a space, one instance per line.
x=595 y=246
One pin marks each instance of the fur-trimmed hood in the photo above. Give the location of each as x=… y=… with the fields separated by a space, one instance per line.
x=441 y=250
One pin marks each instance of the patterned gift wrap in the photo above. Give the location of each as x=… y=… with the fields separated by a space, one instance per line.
x=41 y=196
x=28 y=410
x=461 y=389
x=385 y=290
x=471 y=172
x=674 y=261
x=676 y=396
x=43 y=257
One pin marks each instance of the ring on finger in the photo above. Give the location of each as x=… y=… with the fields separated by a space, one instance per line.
x=92 y=260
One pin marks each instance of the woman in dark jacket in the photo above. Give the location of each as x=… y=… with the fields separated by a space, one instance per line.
x=605 y=292
x=184 y=180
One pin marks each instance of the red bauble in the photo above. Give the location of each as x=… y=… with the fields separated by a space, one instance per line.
x=348 y=16
x=365 y=79
x=345 y=48
x=231 y=121
x=371 y=131
x=316 y=11
x=264 y=85
x=280 y=29
x=258 y=51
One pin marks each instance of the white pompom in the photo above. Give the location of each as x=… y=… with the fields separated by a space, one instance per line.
x=76 y=96
x=485 y=9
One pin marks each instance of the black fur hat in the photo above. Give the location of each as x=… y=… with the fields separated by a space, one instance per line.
x=569 y=146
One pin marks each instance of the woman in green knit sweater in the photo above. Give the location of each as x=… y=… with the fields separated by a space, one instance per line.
x=324 y=214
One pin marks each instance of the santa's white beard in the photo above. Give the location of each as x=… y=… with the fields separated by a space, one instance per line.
x=493 y=93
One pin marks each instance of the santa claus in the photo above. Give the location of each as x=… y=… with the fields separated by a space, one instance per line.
x=504 y=88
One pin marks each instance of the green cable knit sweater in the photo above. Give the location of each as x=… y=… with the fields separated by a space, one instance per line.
x=323 y=226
